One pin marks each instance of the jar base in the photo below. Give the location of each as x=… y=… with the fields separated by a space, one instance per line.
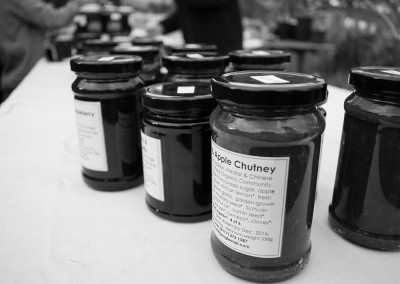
x=114 y=184
x=363 y=238
x=261 y=275
x=180 y=218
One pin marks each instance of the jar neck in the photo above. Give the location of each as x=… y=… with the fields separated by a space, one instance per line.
x=379 y=97
x=106 y=76
x=268 y=112
x=189 y=116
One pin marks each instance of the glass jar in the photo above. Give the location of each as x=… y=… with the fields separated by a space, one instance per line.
x=193 y=66
x=266 y=139
x=176 y=150
x=106 y=107
x=365 y=207
x=150 y=72
x=259 y=59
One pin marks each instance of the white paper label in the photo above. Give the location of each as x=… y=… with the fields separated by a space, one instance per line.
x=91 y=135
x=152 y=167
x=393 y=72
x=194 y=55
x=248 y=198
x=185 y=90
x=270 y=79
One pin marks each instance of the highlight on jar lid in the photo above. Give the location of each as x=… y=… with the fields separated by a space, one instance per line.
x=379 y=79
x=106 y=64
x=259 y=57
x=147 y=52
x=192 y=47
x=195 y=60
x=179 y=97
x=269 y=89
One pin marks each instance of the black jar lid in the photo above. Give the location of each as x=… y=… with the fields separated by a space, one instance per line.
x=376 y=79
x=147 y=52
x=259 y=57
x=147 y=41
x=192 y=47
x=269 y=89
x=106 y=64
x=179 y=97
x=183 y=61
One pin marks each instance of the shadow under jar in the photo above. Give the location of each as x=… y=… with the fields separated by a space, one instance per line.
x=266 y=139
x=176 y=150
x=365 y=207
x=107 y=104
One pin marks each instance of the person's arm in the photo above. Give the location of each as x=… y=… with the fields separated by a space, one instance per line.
x=170 y=23
x=41 y=14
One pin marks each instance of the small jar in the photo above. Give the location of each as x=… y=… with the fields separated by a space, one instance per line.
x=273 y=60
x=192 y=47
x=266 y=139
x=98 y=46
x=176 y=150
x=150 y=72
x=106 y=108
x=365 y=207
x=193 y=66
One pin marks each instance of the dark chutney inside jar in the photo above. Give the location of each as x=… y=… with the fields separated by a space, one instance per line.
x=176 y=115
x=365 y=207
x=274 y=120
x=112 y=82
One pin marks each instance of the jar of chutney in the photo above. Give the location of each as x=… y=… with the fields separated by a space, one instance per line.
x=107 y=97
x=176 y=150
x=258 y=59
x=150 y=72
x=365 y=207
x=193 y=66
x=266 y=139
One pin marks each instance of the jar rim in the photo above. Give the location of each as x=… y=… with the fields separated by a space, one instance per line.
x=106 y=64
x=382 y=80
x=178 y=96
x=266 y=89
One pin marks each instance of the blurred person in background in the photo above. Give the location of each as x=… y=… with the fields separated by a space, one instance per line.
x=23 y=26
x=216 y=22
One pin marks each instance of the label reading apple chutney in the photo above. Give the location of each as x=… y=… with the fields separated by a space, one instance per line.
x=248 y=196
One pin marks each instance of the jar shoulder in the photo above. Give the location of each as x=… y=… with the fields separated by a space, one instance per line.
x=86 y=86
x=283 y=128
x=374 y=110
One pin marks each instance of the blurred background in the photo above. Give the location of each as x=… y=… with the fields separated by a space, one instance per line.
x=352 y=32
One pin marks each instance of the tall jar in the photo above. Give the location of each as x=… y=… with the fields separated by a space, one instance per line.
x=258 y=59
x=150 y=72
x=176 y=150
x=106 y=108
x=193 y=66
x=365 y=207
x=266 y=139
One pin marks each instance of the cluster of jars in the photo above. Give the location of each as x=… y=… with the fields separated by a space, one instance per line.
x=236 y=138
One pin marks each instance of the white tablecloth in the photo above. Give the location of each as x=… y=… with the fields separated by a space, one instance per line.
x=55 y=229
